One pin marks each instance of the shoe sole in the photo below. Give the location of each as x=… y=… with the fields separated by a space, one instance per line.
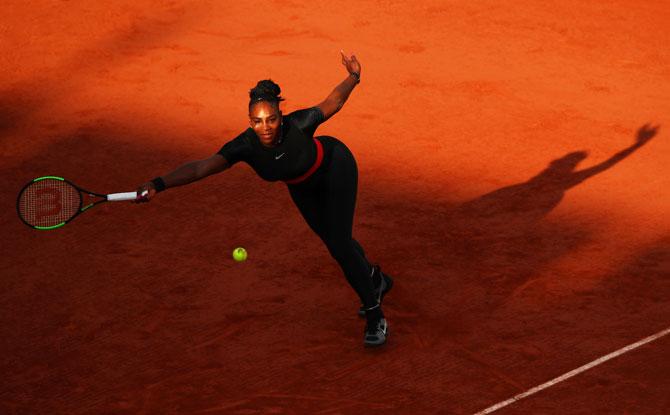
x=379 y=343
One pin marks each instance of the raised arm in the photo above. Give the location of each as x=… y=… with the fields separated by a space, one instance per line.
x=644 y=134
x=187 y=173
x=340 y=94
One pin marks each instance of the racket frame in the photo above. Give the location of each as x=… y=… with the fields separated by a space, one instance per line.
x=80 y=208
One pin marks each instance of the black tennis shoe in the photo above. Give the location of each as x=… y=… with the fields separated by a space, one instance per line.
x=385 y=285
x=376 y=333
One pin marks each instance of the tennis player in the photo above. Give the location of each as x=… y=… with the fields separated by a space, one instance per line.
x=321 y=176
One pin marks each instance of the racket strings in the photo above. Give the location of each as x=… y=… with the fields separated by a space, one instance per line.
x=49 y=202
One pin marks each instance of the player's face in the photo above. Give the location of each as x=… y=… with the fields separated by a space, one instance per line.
x=265 y=119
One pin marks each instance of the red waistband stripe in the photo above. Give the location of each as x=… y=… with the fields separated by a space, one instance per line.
x=317 y=163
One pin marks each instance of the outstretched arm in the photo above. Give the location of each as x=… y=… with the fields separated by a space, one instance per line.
x=340 y=94
x=187 y=173
x=644 y=134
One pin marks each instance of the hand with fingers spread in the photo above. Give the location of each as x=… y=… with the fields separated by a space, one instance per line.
x=352 y=65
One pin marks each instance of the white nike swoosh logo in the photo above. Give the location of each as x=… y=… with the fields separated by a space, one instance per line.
x=279 y=156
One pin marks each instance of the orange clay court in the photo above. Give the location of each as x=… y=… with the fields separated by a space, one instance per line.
x=513 y=179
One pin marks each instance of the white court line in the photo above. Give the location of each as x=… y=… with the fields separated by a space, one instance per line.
x=574 y=372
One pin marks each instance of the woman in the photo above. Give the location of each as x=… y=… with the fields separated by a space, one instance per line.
x=321 y=176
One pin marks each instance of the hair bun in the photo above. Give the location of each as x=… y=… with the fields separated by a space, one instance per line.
x=266 y=90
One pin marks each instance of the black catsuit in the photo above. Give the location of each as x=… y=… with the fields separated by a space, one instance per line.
x=326 y=198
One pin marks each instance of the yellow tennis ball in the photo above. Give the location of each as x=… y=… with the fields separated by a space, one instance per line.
x=239 y=254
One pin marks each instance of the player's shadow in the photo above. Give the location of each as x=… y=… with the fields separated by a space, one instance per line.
x=483 y=249
x=526 y=203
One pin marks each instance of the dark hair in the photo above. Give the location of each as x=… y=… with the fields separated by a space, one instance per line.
x=265 y=90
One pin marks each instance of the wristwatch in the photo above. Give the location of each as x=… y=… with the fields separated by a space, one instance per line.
x=357 y=76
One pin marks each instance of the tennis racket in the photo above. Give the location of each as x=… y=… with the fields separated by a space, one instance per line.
x=50 y=202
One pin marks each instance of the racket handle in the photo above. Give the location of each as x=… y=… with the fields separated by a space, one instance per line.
x=117 y=197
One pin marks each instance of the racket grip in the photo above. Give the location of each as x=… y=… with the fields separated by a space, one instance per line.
x=117 y=197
